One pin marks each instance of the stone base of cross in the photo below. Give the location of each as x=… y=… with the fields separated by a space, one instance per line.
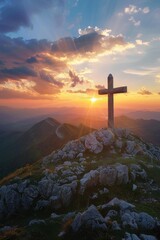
x=110 y=92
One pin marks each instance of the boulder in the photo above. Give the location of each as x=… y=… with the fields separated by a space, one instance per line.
x=123 y=205
x=145 y=221
x=45 y=188
x=122 y=174
x=147 y=237
x=90 y=179
x=90 y=220
x=92 y=144
x=129 y=236
x=128 y=220
x=107 y=176
x=105 y=136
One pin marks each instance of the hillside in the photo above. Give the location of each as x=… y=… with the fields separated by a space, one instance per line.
x=29 y=146
x=105 y=185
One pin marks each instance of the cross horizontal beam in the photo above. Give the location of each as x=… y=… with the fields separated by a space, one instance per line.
x=113 y=91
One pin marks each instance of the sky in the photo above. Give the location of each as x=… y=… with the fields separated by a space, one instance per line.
x=60 y=52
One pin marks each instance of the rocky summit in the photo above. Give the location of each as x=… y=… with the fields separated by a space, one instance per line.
x=105 y=185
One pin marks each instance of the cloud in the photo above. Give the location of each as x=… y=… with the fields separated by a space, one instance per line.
x=140 y=42
x=139 y=72
x=47 y=64
x=20 y=72
x=75 y=79
x=99 y=86
x=89 y=91
x=143 y=91
x=15 y=14
x=90 y=29
x=132 y=9
x=135 y=23
x=90 y=44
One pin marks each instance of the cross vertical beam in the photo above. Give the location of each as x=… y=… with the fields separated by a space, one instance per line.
x=110 y=102
x=110 y=92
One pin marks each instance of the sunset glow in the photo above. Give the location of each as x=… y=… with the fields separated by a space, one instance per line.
x=67 y=54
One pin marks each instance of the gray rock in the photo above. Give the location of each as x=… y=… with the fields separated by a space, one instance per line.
x=107 y=176
x=45 y=188
x=66 y=195
x=129 y=236
x=68 y=216
x=31 y=191
x=123 y=205
x=105 y=136
x=147 y=237
x=116 y=226
x=21 y=187
x=90 y=179
x=55 y=202
x=41 y=204
x=130 y=146
x=91 y=219
x=36 y=222
x=55 y=216
x=104 y=191
x=134 y=187
x=128 y=220
x=145 y=221
x=12 y=200
x=122 y=174
x=112 y=213
x=92 y=144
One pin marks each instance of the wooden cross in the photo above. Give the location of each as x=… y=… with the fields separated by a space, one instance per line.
x=111 y=91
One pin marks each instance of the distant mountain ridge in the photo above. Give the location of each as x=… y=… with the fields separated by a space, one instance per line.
x=20 y=148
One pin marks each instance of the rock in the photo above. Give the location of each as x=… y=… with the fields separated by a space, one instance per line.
x=82 y=160
x=123 y=205
x=112 y=213
x=67 y=163
x=105 y=136
x=134 y=187
x=12 y=200
x=45 y=188
x=119 y=144
x=80 y=155
x=66 y=195
x=94 y=196
x=147 y=237
x=122 y=174
x=90 y=179
x=116 y=226
x=107 y=176
x=92 y=144
x=41 y=204
x=104 y=191
x=145 y=221
x=21 y=187
x=61 y=234
x=130 y=146
x=55 y=216
x=31 y=191
x=91 y=220
x=129 y=236
x=128 y=220
x=55 y=202
x=36 y=222
x=121 y=132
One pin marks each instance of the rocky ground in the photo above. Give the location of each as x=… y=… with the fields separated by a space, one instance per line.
x=105 y=185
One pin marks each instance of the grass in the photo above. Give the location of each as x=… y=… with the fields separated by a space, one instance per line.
x=32 y=171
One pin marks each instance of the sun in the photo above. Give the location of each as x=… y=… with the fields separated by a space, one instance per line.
x=93 y=100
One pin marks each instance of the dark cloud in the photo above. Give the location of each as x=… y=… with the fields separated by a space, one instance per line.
x=18 y=13
x=47 y=77
x=144 y=92
x=88 y=91
x=17 y=72
x=89 y=44
x=99 y=86
x=32 y=60
x=10 y=94
x=77 y=91
x=75 y=79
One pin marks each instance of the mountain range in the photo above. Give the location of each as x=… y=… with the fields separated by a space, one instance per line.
x=18 y=148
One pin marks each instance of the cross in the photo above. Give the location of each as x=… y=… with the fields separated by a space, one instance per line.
x=111 y=91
